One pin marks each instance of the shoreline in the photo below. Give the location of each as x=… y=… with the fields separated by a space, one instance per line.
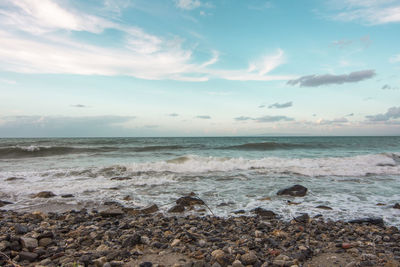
x=132 y=237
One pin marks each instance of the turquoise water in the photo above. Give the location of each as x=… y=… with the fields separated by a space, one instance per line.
x=350 y=174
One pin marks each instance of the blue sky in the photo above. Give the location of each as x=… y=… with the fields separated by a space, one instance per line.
x=199 y=68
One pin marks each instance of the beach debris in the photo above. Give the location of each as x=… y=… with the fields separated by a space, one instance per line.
x=44 y=194
x=294 y=191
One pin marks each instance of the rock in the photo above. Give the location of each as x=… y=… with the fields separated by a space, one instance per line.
x=216 y=264
x=121 y=178
x=3 y=203
x=67 y=196
x=44 y=194
x=28 y=256
x=322 y=207
x=264 y=213
x=237 y=263
x=217 y=253
x=282 y=257
x=375 y=221
x=150 y=209
x=131 y=240
x=20 y=229
x=295 y=191
x=239 y=212
x=396 y=206
x=29 y=243
x=249 y=258
x=175 y=242
x=44 y=242
x=189 y=201
x=279 y=263
x=112 y=212
x=392 y=263
x=347 y=245
x=100 y=261
x=127 y=198
x=14 y=179
x=146 y=264
x=177 y=208
x=304 y=218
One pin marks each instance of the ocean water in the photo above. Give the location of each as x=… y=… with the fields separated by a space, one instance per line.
x=349 y=174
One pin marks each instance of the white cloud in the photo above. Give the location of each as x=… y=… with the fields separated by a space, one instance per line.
x=188 y=4
x=8 y=81
x=395 y=59
x=37 y=40
x=369 y=11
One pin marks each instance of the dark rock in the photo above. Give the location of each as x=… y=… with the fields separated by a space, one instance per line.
x=14 y=179
x=131 y=240
x=177 y=208
x=295 y=191
x=121 y=178
x=375 y=221
x=146 y=264
x=28 y=256
x=44 y=194
x=20 y=229
x=322 y=207
x=150 y=209
x=67 y=196
x=47 y=234
x=29 y=243
x=189 y=201
x=264 y=213
x=396 y=206
x=239 y=212
x=3 y=203
x=112 y=212
x=304 y=218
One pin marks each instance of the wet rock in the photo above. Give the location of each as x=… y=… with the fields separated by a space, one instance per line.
x=264 y=213
x=323 y=207
x=28 y=256
x=189 y=201
x=375 y=221
x=304 y=218
x=112 y=212
x=127 y=198
x=3 y=203
x=29 y=243
x=67 y=196
x=121 y=178
x=239 y=212
x=44 y=194
x=295 y=191
x=14 y=179
x=150 y=209
x=396 y=206
x=177 y=209
x=146 y=264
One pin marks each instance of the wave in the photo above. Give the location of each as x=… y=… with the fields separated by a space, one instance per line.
x=47 y=151
x=273 y=146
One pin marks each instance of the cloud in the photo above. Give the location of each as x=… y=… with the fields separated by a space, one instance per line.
x=392 y=113
x=8 y=81
x=283 y=105
x=350 y=115
x=206 y=117
x=173 y=115
x=37 y=40
x=261 y=106
x=260 y=6
x=370 y=12
x=79 y=106
x=334 y=121
x=243 y=118
x=273 y=119
x=189 y=4
x=326 y=79
x=389 y=87
x=342 y=43
x=395 y=59
x=152 y=126
x=64 y=126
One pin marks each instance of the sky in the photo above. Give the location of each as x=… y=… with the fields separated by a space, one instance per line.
x=95 y=68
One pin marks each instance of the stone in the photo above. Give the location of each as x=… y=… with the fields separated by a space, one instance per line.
x=28 y=256
x=322 y=207
x=279 y=263
x=217 y=253
x=131 y=240
x=282 y=257
x=146 y=264
x=20 y=229
x=67 y=196
x=294 y=191
x=44 y=194
x=396 y=206
x=100 y=261
x=44 y=242
x=347 y=245
x=150 y=209
x=175 y=242
x=237 y=263
x=121 y=178
x=249 y=258
x=304 y=218
x=264 y=213
x=189 y=201
x=29 y=243
x=375 y=221
x=112 y=212
x=3 y=203
x=177 y=209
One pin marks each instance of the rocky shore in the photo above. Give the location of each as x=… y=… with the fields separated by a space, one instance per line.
x=118 y=237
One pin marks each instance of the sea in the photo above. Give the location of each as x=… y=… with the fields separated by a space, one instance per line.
x=356 y=176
